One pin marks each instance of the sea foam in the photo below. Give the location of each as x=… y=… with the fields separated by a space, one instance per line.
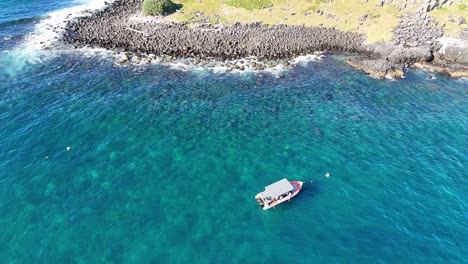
x=247 y=65
x=43 y=42
x=235 y=66
x=48 y=31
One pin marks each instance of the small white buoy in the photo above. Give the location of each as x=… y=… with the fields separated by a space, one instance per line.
x=327 y=174
x=46 y=157
x=68 y=148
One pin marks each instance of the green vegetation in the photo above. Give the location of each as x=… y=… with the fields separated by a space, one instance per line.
x=249 y=4
x=376 y=21
x=158 y=7
x=449 y=16
x=315 y=4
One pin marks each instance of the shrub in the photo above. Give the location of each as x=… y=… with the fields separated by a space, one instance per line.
x=158 y=7
x=249 y=4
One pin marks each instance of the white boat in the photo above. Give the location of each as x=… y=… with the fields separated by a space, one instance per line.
x=278 y=192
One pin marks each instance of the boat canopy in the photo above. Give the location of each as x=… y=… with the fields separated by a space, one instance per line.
x=276 y=189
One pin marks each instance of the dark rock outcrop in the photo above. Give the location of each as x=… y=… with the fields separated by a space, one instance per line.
x=113 y=29
x=417 y=29
x=386 y=60
x=121 y=27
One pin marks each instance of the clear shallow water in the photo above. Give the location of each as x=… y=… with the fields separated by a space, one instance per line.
x=164 y=164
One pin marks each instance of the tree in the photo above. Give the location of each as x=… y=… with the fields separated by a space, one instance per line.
x=158 y=7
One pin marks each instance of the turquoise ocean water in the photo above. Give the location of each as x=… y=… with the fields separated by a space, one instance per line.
x=164 y=164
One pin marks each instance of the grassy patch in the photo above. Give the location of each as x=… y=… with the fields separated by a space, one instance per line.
x=249 y=4
x=345 y=15
x=318 y=2
x=449 y=15
x=315 y=4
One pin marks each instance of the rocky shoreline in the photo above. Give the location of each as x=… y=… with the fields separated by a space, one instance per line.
x=121 y=27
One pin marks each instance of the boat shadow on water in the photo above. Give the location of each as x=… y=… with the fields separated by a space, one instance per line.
x=309 y=192
x=311 y=189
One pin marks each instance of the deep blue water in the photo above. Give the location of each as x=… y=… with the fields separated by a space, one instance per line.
x=164 y=164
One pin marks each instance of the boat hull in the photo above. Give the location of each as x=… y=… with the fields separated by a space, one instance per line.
x=297 y=188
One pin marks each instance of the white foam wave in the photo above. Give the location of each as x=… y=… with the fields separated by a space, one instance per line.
x=249 y=65
x=245 y=65
x=48 y=31
x=238 y=66
x=42 y=43
x=304 y=60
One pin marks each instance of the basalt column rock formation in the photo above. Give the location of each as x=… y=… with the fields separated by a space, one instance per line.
x=114 y=28
x=122 y=27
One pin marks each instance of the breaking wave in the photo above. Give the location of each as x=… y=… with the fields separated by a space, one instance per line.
x=48 y=31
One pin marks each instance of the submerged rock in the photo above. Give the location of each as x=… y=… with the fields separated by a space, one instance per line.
x=328 y=96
